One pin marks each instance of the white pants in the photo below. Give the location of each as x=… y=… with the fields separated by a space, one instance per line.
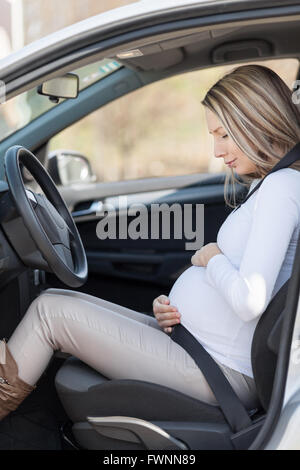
x=116 y=341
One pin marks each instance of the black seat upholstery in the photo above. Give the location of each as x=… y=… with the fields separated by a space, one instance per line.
x=86 y=393
x=79 y=387
x=265 y=346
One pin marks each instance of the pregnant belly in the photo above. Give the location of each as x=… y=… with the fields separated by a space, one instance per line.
x=200 y=305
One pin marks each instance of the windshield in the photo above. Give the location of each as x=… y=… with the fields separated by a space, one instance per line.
x=22 y=109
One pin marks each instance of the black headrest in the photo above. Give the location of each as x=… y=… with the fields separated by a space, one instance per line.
x=265 y=345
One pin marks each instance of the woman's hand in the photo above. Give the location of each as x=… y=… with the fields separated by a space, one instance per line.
x=202 y=256
x=165 y=314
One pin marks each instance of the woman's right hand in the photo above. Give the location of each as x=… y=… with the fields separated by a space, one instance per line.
x=165 y=314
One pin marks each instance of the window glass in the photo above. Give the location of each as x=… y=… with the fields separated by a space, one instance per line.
x=158 y=130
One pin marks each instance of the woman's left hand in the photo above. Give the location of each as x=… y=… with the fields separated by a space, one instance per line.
x=202 y=256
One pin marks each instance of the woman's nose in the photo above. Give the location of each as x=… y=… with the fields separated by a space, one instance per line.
x=220 y=150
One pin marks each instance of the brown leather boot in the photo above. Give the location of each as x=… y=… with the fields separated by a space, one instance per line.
x=13 y=390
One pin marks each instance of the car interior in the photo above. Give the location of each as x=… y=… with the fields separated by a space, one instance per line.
x=75 y=407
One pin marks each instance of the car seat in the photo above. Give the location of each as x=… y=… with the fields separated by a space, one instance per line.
x=137 y=415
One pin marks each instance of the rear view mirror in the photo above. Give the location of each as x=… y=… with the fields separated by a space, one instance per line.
x=66 y=86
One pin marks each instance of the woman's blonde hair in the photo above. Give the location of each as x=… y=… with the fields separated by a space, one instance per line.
x=255 y=107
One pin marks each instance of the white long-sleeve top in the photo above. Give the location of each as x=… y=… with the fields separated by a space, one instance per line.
x=222 y=303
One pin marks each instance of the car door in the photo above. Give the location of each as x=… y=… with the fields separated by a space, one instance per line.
x=134 y=271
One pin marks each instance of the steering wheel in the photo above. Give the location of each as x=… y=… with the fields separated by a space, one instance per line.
x=47 y=218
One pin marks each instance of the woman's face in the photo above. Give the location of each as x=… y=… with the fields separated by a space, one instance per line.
x=226 y=148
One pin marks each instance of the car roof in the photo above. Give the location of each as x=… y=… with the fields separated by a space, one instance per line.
x=132 y=14
x=109 y=19
x=53 y=54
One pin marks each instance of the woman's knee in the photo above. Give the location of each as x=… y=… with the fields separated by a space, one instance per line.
x=50 y=308
x=41 y=307
x=44 y=316
x=54 y=291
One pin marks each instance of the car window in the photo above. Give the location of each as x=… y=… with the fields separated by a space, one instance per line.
x=159 y=130
x=24 y=108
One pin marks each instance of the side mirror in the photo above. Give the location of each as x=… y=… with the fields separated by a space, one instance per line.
x=66 y=86
x=68 y=167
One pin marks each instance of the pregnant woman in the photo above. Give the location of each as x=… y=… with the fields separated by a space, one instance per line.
x=220 y=298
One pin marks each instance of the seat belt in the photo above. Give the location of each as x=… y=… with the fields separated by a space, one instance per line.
x=230 y=404
x=233 y=409
x=291 y=157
